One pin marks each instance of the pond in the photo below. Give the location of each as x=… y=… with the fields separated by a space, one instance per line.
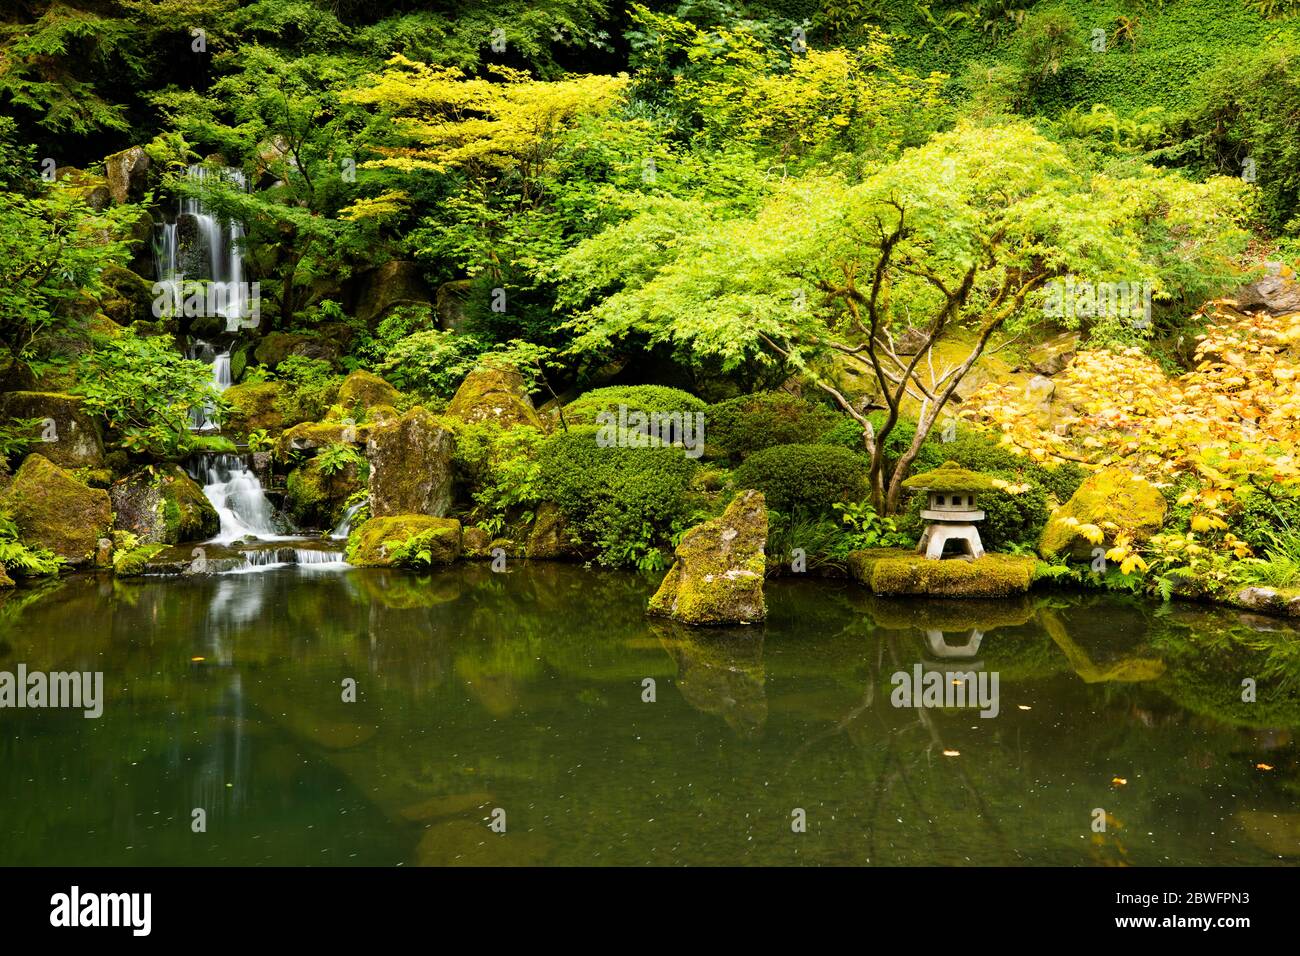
x=522 y=696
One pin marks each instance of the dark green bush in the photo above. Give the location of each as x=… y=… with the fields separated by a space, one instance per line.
x=627 y=502
x=641 y=398
x=811 y=477
x=1268 y=513
x=745 y=424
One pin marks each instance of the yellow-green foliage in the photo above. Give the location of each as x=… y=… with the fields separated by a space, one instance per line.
x=1111 y=500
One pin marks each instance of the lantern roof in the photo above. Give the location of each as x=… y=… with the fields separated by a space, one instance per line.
x=949 y=476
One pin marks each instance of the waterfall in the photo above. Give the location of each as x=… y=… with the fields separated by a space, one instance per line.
x=238 y=497
x=306 y=558
x=200 y=246
x=204 y=419
x=344 y=527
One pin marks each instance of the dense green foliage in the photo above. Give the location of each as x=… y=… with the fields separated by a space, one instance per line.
x=625 y=501
x=811 y=478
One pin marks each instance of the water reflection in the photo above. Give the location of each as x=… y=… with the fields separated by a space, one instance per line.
x=525 y=691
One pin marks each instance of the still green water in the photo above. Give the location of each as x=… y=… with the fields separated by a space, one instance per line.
x=524 y=691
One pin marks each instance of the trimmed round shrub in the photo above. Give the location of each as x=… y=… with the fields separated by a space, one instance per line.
x=640 y=398
x=625 y=501
x=810 y=477
x=745 y=424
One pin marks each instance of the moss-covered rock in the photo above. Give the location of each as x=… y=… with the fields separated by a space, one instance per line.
x=410 y=465
x=53 y=510
x=275 y=347
x=718 y=575
x=316 y=499
x=365 y=390
x=371 y=544
x=163 y=505
x=253 y=406
x=476 y=543
x=70 y=437
x=127 y=297
x=394 y=283
x=1112 y=500
x=494 y=394
x=550 y=538
x=135 y=562
x=900 y=571
x=311 y=436
x=127 y=174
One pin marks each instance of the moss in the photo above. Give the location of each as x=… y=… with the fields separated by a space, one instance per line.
x=641 y=398
x=494 y=394
x=316 y=499
x=53 y=510
x=312 y=435
x=950 y=476
x=188 y=515
x=1111 y=495
x=899 y=571
x=365 y=389
x=411 y=465
x=253 y=406
x=718 y=575
x=371 y=544
x=811 y=477
x=749 y=423
x=219 y=444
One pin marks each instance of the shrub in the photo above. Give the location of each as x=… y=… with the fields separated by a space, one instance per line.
x=502 y=470
x=1268 y=513
x=144 y=390
x=641 y=398
x=745 y=424
x=429 y=362
x=310 y=388
x=812 y=477
x=626 y=501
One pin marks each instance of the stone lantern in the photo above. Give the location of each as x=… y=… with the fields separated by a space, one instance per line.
x=951 y=510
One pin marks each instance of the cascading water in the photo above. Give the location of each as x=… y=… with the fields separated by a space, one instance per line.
x=344 y=527
x=199 y=246
x=238 y=497
x=204 y=419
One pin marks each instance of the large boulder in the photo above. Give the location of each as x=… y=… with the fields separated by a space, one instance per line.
x=275 y=347
x=127 y=173
x=253 y=406
x=494 y=393
x=316 y=498
x=163 y=505
x=1277 y=292
x=550 y=538
x=718 y=575
x=127 y=297
x=370 y=544
x=69 y=437
x=450 y=303
x=54 y=510
x=1111 y=500
x=392 y=284
x=365 y=389
x=410 y=465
